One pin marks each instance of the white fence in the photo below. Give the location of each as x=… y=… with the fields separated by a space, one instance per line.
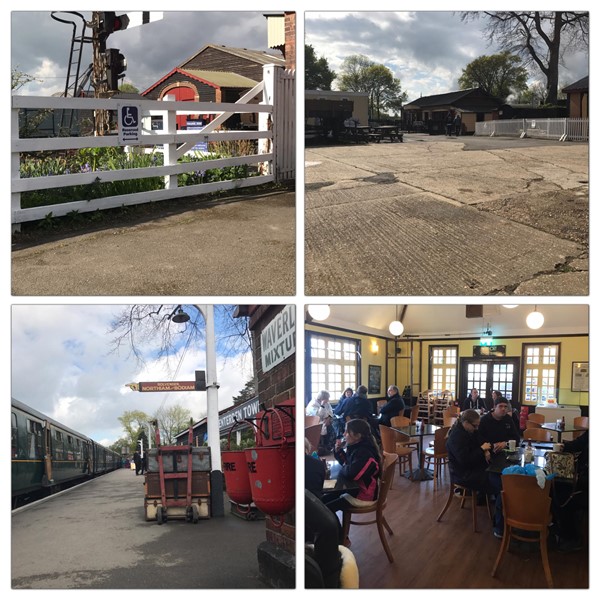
x=576 y=130
x=274 y=160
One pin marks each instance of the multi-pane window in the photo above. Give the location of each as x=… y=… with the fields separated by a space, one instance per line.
x=541 y=372
x=443 y=368
x=502 y=379
x=477 y=373
x=333 y=365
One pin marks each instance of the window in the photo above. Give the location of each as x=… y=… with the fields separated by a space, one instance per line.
x=333 y=365
x=541 y=372
x=443 y=366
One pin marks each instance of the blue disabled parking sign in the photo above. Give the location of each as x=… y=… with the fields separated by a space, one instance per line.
x=129 y=123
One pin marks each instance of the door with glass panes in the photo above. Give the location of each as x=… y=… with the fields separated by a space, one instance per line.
x=488 y=374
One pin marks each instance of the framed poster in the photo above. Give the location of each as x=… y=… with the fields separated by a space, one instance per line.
x=374 y=379
x=580 y=378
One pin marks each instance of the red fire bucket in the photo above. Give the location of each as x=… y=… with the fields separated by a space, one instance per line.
x=235 y=472
x=272 y=475
x=272 y=472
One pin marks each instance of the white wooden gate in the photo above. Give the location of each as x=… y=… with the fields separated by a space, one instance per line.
x=275 y=158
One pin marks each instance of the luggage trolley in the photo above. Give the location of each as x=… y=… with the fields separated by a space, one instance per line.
x=177 y=482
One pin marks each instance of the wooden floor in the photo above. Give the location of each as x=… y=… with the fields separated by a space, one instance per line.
x=449 y=554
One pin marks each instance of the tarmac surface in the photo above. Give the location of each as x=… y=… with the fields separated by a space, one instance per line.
x=242 y=246
x=95 y=536
x=421 y=217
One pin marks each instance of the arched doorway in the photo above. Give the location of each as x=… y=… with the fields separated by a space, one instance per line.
x=182 y=93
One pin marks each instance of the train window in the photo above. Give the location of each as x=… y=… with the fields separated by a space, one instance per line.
x=70 y=439
x=14 y=436
x=58 y=435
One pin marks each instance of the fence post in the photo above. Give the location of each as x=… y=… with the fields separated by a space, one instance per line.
x=15 y=169
x=170 y=150
x=265 y=120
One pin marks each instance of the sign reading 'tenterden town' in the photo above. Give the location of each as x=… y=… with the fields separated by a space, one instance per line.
x=278 y=338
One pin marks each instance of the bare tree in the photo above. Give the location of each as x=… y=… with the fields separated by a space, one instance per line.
x=140 y=327
x=541 y=38
x=171 y=421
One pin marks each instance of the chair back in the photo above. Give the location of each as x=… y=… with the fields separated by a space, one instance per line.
x=582 y=422
x=537 y=417
x=524 y=502
x=312 y=420
x=400 y=422
x=439 y=440
x=380 y=403
x=532 y=424
x=387 y=476
x=414 y=413
x=313 y=435
x=538 y=434
x=449 y=420
x=452 y=411
x=389 y=439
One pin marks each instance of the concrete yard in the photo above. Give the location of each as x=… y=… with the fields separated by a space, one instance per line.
x=446 y=217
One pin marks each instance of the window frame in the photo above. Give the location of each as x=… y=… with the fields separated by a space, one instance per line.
x=309 y=392
x=430 y=384
x=540 y=366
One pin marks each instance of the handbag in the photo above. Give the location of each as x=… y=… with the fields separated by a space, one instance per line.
x=561 y=464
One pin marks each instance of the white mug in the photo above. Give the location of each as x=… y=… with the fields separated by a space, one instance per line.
x=512 y=445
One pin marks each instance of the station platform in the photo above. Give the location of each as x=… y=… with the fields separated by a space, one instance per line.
x=95 y=536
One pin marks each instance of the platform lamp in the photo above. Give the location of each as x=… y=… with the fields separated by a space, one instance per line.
x=212 y=411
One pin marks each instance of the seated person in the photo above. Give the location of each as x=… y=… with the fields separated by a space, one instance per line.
x=321 y=408
x=473 y=400
x=497 y=427
x=361 y=463
x=568 y=503
x=338 y=412
x=359 y=406
x=392 y=408
x=314 y=471
x=468 y=460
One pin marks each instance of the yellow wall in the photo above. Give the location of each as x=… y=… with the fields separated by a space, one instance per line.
x=572 y=349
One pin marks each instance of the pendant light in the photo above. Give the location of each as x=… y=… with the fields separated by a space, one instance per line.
x=396 y=327
x=319 y=312
x=535 y=319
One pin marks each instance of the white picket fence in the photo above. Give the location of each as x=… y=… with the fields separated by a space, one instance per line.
x=576 y=130
x=275 y=159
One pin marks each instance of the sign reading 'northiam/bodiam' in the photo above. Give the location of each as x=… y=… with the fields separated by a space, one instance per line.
x=278 y=338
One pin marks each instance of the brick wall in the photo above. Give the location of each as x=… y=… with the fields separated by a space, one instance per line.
x=276 y=554
x=290 y=40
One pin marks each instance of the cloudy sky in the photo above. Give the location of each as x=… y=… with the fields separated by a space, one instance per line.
x=63 y=367
x=426 y=50
x=40 y=45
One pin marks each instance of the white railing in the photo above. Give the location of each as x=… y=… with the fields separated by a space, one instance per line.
x=551 y=129
x=272 y=161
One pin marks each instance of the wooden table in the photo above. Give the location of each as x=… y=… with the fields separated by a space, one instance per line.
x=560 y=430
x=420 y=474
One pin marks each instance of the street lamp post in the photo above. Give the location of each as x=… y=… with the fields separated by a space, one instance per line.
x=212 y=411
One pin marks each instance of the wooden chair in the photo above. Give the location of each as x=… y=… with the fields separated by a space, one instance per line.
x=449 y=420
x=465 y=492
x=425 y=406
x=312 y=420
x=526 y=507
x=537 y=434
x=395 y=442
x=452 y=411
x=537 y=417
x=582 y=422
x=389 y=462
x=313 y=435
x=399 y=422
x=532 y=424
x=380 y=403
x=441 y=403
x=414 y=414
x=438 y=453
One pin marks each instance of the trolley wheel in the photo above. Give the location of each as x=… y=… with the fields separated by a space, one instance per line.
x=161 y=515
x=251 y=516
x=195 y=515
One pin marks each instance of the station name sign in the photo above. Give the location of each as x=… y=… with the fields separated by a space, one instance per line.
x=163 y=386
x=278 y=338
x=243 y=411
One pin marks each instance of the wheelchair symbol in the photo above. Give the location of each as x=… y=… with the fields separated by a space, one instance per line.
x=129 y=116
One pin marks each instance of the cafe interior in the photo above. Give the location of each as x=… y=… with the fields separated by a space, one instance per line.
x=426 y=533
